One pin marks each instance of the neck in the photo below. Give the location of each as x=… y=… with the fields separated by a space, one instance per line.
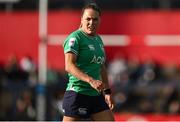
x=91 y=35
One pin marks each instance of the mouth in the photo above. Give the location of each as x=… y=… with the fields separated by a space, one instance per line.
x=91 y=28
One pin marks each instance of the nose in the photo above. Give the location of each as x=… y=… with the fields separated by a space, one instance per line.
x=91 y=21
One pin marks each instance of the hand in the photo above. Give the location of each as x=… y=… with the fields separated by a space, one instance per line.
x=109 y=101
x=97 y=84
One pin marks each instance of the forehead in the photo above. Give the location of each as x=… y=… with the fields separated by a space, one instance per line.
x=90 y=13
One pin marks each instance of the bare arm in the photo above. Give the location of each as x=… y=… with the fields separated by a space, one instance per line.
x=70 y=66
x=108 y=97
x=104 y=76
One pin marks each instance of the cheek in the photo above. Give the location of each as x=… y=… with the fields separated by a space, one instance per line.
x=84 y=23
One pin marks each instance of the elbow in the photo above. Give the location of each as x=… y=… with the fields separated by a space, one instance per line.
x=66 y=68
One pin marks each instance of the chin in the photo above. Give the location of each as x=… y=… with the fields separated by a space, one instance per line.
x=91 y=33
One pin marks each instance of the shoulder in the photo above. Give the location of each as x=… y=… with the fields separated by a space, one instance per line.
x=99 y=38
x=75 y=34
x=72 y=38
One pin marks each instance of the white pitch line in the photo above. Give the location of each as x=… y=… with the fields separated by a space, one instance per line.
x=162 y=40
x=108 y=40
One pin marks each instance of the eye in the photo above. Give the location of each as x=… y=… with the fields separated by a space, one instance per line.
x=95 y=19
x=88 y=19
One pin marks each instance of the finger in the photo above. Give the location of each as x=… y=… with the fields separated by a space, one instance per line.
x=112 y=106
x=100 y=87
x=101 y=84
x=99 y=90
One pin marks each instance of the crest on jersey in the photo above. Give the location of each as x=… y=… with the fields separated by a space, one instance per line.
x=72 y=42
x=91 y=47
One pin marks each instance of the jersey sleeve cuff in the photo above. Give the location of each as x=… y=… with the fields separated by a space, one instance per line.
x=71 y=50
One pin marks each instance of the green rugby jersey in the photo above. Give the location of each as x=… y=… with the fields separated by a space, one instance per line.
x=90 y=57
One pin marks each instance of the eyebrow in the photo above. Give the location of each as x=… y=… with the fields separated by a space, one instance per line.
x=92 y=17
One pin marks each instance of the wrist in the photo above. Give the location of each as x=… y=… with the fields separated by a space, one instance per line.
x=107 y=91
x=89 y=79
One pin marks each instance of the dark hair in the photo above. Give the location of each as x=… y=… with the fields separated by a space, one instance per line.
x=93 y=6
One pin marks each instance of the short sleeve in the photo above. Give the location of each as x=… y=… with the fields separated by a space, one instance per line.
x=71 y=45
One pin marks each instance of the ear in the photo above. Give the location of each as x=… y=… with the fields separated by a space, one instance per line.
x=81 y=22
x=80 y=25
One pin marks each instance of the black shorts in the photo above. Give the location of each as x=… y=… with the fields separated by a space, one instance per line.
x=79 y=105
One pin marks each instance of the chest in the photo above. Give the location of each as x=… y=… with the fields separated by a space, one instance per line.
x=91 y=51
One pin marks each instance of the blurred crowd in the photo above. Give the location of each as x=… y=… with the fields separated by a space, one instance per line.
x=145 y=87
x=137 y=88
x=19 y=88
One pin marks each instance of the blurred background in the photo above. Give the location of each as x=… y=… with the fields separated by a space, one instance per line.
x=142 y=42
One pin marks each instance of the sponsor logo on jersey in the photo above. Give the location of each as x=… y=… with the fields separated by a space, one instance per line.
x=98 y=60
x=91 y=47
x=72 y=42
